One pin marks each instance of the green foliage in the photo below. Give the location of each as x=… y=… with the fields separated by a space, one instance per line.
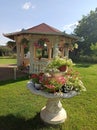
x=58 y=62
x=24 y=41
x=4 y=50
x=87 y=28
x=11 y=44
x=87 y=59
x=39 y=52
x=93 y=47
x=13 y=56
x=84 y=58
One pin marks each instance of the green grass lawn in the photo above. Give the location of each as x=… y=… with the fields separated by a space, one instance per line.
x=19 y=109
x=7 y=60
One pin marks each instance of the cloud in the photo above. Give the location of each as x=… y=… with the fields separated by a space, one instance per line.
x=27 y=6
x=70 y=27
x=17 y=30
x=33 y=6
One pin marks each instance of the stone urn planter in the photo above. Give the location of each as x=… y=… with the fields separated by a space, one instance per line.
x=37 y=86
x=52 y=112
x=63 y=68
x=58 y=81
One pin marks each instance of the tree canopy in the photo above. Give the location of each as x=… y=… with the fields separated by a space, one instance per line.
x=87 y=28
x=11 y=44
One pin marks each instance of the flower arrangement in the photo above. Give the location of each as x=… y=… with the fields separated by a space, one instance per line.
x=59 y=64
x=41 y=42
x=40 y=45
x=55 y=80
x=35 y=78
x=24 y=42
x=52 y=83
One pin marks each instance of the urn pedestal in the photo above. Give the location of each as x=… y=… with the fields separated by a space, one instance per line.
x=53 y=112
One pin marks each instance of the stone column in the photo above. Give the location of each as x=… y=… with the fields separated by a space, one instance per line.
x=18 y=46
x=31 y=49
x=55 y=48
x=63 y=51
x=34 y=56
x=66 y=52
x=22 y=54
x=49 y=51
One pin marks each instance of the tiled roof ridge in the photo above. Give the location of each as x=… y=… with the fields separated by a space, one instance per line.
x=50 y=27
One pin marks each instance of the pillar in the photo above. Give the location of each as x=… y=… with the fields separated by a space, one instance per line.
x=18 y=51
x=49 y=51
x=66 y=52
x=63 y=50
x=31 y=49
x=22 y=54
x=55 y=48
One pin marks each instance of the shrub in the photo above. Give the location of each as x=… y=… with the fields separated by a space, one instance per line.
x=89 y=59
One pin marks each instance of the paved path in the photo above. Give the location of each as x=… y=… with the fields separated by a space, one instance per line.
x=9 y=72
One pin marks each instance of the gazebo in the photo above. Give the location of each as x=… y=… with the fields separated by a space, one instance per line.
x=43 y=41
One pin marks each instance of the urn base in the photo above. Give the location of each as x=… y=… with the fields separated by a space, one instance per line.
x=53 y=112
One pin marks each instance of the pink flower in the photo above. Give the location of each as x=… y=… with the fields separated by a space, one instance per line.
x=34 y=76
x=60 y=79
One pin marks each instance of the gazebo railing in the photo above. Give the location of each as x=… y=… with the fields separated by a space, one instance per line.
x=38 y=67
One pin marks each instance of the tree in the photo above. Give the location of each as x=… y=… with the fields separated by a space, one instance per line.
x=87 y=28
x=4 y=50
x=11 y=44
x=93 y=47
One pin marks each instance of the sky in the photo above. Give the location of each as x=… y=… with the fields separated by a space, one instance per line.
x=23 y=14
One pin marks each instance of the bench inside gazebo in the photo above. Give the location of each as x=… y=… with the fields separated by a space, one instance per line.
x=43 y=42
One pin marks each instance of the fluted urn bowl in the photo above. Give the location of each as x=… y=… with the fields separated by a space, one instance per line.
x=53 y=112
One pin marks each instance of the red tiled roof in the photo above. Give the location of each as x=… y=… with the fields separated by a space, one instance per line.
x=40 y=29
x=43 y=28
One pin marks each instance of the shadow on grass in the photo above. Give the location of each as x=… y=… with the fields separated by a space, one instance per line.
x=14 y=81
x=11 y=122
